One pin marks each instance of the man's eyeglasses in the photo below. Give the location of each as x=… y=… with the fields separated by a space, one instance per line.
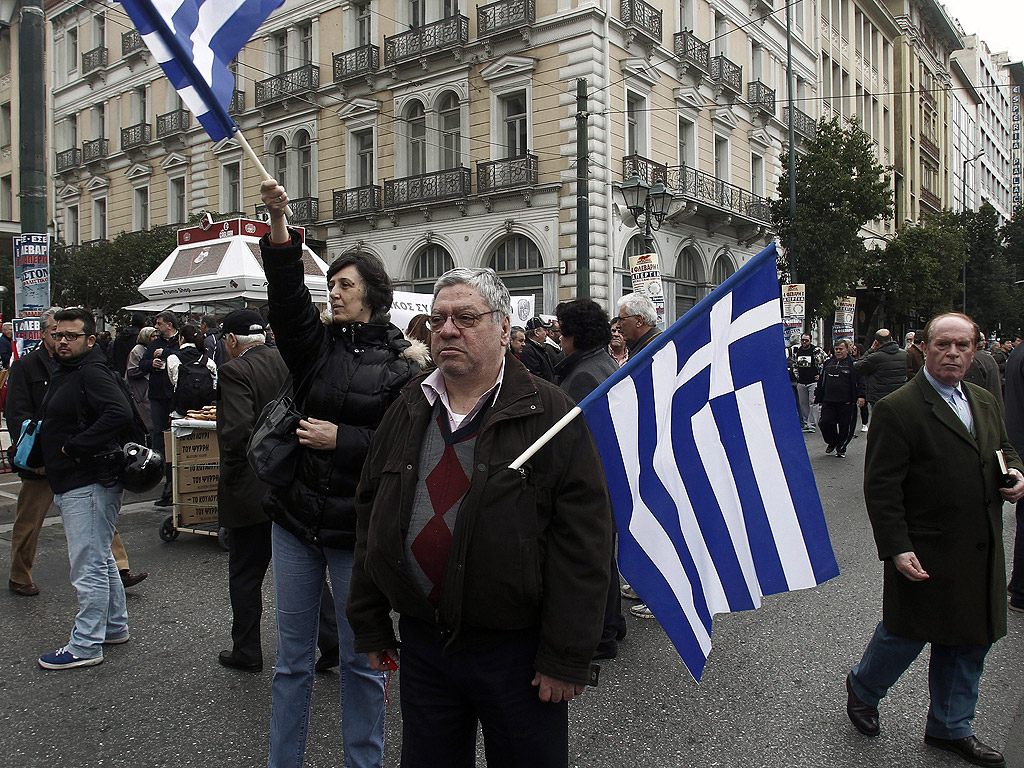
x=67 y=335
x=462 y=320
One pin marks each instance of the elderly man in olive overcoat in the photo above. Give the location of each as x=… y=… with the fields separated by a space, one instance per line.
x=933 y=489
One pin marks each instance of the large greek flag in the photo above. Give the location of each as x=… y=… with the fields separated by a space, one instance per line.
x=194 y=41
x=709 y=477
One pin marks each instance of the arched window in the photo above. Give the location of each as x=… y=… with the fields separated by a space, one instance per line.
x=430 y=265
x=686 y=279
x=451 y=132
x=517 y=260
x=416 y=125
x=722 y=269
x=280 y=150
x=304 y=152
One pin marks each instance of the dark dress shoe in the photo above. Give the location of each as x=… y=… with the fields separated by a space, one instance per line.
x=25 y=590
x=970 y=749
x=863 y=717
x=229 y=660
x=328 y=660
x=130 y=579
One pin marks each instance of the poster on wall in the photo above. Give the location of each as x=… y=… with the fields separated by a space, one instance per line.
x=26 y=334
x=842 y=327
x=793 y=300
x=405 y=305
x=646 y=274
x=31 y=275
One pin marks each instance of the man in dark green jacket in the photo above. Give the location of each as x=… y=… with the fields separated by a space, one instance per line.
x=933 y=489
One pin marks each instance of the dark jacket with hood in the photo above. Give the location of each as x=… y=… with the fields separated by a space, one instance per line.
x=886 y=368
x=359 y=370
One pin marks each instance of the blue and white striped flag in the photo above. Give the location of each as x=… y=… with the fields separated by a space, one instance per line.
x=710 y=481
x=194 y=41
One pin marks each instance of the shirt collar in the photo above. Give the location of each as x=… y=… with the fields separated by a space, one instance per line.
x=944 y=389
x=434 y=388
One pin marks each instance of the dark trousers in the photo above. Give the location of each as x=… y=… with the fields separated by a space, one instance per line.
x=160 y=413
x=836 y=424
x=249 y=553
x=1017 y=574
x=444 y=697
x=614 y=622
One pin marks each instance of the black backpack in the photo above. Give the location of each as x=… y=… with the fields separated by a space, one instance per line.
x=195 y=386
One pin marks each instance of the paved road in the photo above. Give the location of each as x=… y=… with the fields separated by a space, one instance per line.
x=772 y=694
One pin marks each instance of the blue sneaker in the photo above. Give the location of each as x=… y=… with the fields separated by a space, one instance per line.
x=62 y=658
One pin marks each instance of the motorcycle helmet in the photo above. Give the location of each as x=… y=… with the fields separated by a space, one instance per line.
x=143 y=468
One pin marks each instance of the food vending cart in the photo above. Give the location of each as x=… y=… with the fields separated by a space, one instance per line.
x=191 y=447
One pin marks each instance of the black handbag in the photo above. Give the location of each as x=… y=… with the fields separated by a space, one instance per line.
x=273 y=448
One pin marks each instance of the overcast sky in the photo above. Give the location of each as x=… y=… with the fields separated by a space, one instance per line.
x=1000 y=23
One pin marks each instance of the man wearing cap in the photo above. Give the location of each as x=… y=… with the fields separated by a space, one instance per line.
x=533 y=354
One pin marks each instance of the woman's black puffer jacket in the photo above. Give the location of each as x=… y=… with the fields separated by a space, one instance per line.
x=363 y=368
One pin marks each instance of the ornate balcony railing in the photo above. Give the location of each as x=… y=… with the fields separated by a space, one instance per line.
x=452 y=32
x=135 y=136
x=356 y=201
x=647 y=170
x=94 y=59
x=643 y=17
x=506 y=174
x=696 y=185
x=305 y=210
x=803 y=123
x=97 y=149
x=296 y=81
x=68 y=159
x=761 y=97
x=692 y=49
x=727 y=73
x=928 y=145
x=170 y=123
x=494 y=18
x=452 y=184
x=930 y=198
x=131 y=42
x=237 y=103
x=358 y=61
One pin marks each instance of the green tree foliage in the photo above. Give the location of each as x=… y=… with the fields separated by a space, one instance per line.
x=1012 y=236
x=840 y=187
x=991 y=298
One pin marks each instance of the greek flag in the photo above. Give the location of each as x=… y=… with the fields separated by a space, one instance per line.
x=710 y=481
x=194 y=41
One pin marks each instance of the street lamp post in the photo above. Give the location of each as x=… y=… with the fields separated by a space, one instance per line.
x=646 y=203
x=967 y=161
x=3 y=293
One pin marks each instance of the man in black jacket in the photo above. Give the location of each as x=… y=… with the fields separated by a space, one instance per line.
x=836 y=393
x=884 y=368
x=86 y=415
x=533 y=355
x=154 y=363
x=125 y=342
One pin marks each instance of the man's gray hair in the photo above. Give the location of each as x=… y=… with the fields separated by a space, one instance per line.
x=46 y=318
x=486 y=282
x=250 y=338
x=641 y=306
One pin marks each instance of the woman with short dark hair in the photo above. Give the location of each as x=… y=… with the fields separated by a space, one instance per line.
x=585 y=336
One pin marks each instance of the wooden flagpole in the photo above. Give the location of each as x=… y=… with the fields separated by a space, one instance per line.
x=546 y=438
x=247 y=149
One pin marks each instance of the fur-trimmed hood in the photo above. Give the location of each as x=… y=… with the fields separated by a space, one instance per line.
x=418 y=353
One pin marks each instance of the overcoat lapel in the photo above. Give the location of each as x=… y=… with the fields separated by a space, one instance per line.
x=942 y=411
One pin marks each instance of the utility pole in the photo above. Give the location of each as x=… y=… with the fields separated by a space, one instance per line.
x=791 y=246
x=582 y=193
x=32 y=94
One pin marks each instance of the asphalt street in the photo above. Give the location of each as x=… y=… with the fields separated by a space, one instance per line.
x=772 y=694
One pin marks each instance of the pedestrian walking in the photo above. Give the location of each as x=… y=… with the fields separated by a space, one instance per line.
x=836 y=394
x=806 y=360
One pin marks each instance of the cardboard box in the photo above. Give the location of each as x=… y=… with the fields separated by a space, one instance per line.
x=197 y=447
x=196 y=508
x=201 y=477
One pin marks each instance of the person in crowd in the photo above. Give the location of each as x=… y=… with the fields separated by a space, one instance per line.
x=357 y=366
x=499 y=577
x=1015 y=431
x=154 y=365
x=84 y=415
x=885 y=369
x=1001 y=354
x=805 y=360
x=617 y=347
x=138 y=382
x=858 y=352
x=188 y=352
x=934 y=496
x=516 y=341
x=418 y=330
x=105 y=342
x=984 y=372
x=212 y=342
x=553 y=342
x=915 y=355
x=638 y=321
x=836 y=394
x=6 y=344
x=908 y=340
x=126 y=341
x=533 y=354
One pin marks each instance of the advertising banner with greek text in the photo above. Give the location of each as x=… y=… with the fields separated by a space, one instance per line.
x=646 y=274
x=793 y=298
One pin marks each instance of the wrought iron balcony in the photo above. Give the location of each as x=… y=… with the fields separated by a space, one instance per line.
x=237 y=103
x=305 y=210
x=94 y=59
x=928 y=145
x=692 y=49
x=761 y=97
x=647 y=170
x=135 y=136
x=504 y=15
x=931 y=199
x=803 y=123
x=170 y=123
x=131 y=42
x=727 y=73
x=68 y=159
x=358 y=61
x=442 y=35
x=356 y=201
x=452 y=184
x=689 y=183
x=94 y=150
x=643 y=17
x=291 y=83
x=509 y=173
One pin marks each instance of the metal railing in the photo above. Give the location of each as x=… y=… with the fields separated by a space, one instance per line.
x=237 y=103
x=358 y=61
x=136 y=135
x=803 y=123
x=131 y=41
x=305 y=210
x=170 y=123
x=647 y=170
x=760 y=96
x=929 y=145
x=727 y=73
x=452 y=184
x=68 y=159
x=504 y=15
x=506 y=174
x=299 y=80
x=696 y=185
x=94 y=59
x=97 y=149
x=452 y=32
x=692 y=49
x=929 y=197
x=642 y=16
x=352 y=202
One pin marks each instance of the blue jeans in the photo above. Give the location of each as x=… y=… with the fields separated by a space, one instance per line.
x=954 y=672
x=89 y=514
x=298 y=581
